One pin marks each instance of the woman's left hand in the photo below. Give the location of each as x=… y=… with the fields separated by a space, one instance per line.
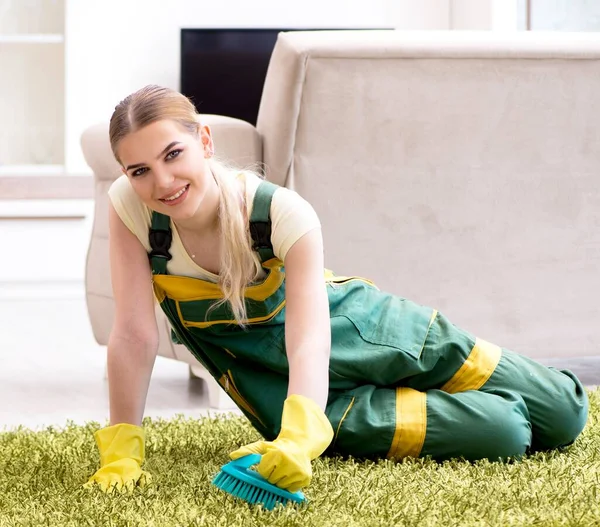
x=305 y=434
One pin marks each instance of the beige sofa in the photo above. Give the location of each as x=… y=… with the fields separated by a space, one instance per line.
x=456 y=169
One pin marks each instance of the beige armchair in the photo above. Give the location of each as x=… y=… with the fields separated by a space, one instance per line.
x=456 y=169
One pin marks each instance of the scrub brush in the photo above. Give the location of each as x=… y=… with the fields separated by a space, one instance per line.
x=239 y=480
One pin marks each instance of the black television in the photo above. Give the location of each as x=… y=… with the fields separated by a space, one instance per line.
x=223 y=70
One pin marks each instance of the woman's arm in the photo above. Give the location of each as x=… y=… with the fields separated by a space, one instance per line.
x=133 y=341
x=307 y=323
x=305 y=430
x=132 y=348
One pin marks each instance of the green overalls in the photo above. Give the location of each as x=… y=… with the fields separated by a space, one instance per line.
x=404 y=381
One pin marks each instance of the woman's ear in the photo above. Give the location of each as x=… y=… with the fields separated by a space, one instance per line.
x=207 y=141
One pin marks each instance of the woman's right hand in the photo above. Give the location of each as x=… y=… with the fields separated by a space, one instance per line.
x=121 y=449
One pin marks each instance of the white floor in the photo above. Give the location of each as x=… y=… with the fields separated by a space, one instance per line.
x=52 y=370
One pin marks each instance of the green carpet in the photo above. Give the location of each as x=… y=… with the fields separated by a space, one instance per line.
x=41 y=474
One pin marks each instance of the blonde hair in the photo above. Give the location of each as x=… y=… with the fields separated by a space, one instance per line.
x=239 y=264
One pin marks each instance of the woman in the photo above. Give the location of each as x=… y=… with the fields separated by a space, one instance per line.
x=315 y=361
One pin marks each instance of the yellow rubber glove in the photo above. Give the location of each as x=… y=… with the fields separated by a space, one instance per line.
x=305 y=434
x=121 y=449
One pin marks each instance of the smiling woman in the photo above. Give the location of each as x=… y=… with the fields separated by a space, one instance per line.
x=315 y=361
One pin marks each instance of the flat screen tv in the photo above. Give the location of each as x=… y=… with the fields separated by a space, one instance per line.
x=223 y=70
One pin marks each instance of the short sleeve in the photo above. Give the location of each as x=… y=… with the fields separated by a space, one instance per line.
x=291 y=218
x=130 y=208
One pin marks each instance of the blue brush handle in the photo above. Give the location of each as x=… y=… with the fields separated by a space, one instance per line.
x=246 y=461
x=239 y=467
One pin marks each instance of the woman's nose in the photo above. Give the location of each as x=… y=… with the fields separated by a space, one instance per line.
x=164 y=179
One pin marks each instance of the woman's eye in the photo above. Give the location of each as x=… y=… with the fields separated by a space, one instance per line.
x=139 y=171
x=173 y=154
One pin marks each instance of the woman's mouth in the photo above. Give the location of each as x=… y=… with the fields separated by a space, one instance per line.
x=177 y=198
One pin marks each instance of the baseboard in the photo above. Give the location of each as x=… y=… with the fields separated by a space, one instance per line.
x=59 y=289
x=46 y=209
x=47 y=187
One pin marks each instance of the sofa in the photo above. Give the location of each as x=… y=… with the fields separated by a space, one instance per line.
x=457 y=169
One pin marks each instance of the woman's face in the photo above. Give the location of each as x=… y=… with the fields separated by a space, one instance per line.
x=167 y=167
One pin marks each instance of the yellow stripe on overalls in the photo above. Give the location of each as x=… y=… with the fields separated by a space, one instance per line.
x=411 y=423
x=411 y=419
x=477 y=369
x=184 y=289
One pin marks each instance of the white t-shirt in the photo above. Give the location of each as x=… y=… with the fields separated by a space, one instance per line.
x=291 y=218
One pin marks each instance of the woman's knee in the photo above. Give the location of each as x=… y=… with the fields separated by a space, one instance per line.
x=509 y=427
x=569 y=414
x=556 y=400
x=477 y=425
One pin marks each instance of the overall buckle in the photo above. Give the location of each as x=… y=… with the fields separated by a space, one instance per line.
x=160 y=241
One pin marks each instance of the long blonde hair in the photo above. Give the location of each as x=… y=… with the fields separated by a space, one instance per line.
x=239 y=264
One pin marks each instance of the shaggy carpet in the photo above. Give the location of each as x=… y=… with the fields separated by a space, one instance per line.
x=42 y=472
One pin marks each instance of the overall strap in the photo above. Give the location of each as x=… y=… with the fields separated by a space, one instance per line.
x=160 y=238
x=160 y=235
x=260 y=220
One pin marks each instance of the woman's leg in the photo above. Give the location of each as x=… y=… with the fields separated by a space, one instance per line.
x=403 y=422
x=556 y=400
x=476 y=425
x=470 y=399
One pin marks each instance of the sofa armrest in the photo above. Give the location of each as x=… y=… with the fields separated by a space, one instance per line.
x=236 y=142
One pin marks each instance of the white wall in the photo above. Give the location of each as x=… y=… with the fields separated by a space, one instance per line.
x=114 y=47
x=497 y=15
x=420 y=14
x=48 y=242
